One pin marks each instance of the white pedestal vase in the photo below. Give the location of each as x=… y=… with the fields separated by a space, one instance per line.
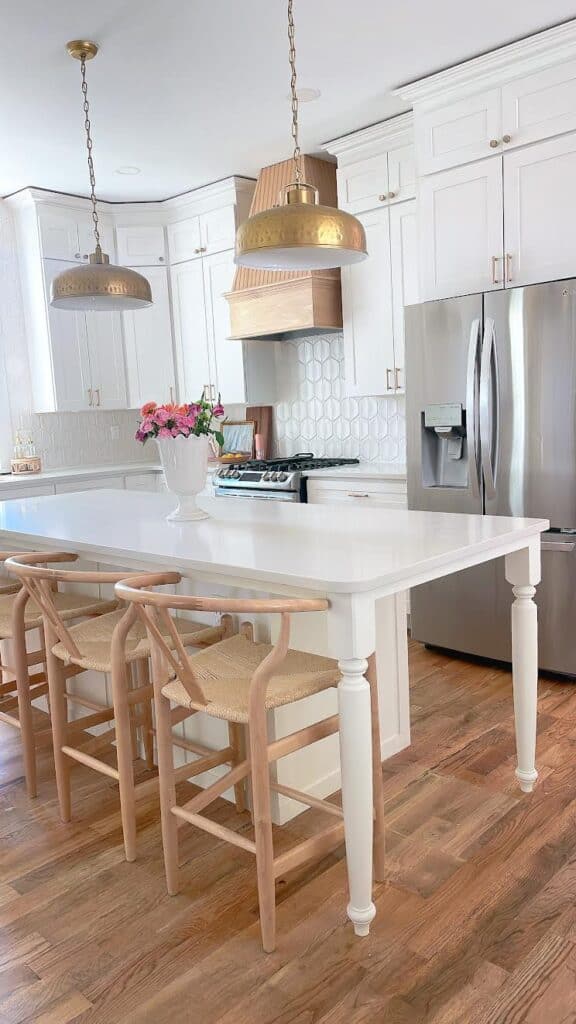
x=185 y=465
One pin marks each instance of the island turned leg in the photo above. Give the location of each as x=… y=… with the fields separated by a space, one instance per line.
x=357 y=802
x=523 y=572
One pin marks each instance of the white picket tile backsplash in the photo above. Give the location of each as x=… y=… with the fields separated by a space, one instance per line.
x=312 y=415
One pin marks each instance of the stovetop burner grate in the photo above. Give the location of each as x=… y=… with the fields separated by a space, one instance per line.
x=295 y=462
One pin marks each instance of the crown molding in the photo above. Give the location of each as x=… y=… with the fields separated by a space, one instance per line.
x=377 y=138
x=536 y=52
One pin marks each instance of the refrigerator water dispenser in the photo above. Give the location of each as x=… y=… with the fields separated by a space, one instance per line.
x=444 y=450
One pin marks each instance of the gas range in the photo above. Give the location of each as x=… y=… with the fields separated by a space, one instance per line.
x=274 y=479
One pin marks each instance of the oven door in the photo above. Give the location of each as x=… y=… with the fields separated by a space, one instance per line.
x=262 y=495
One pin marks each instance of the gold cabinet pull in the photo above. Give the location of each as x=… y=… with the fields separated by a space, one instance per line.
x=382 y=198
x=357 y=494
x=388 y=384
x=90 y=396
x=508 y=267
x=494 y=143
x=97 y=393
x=506 y=138
x=397 y=384
x=171 y=394
x=494 y=262
x=392 y=195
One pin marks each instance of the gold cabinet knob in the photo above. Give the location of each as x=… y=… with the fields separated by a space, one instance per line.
x=391 y=195
x=494 y=143
x=506 y=138
x=382 y=198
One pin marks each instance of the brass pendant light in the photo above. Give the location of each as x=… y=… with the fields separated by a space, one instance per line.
x=98 y=285
x=299 y=234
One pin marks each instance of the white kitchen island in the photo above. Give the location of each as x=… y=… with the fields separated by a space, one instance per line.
x=361 y=559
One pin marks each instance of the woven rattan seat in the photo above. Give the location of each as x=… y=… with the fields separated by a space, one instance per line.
x=70 y=606
x=93 y=639
x=225 y=670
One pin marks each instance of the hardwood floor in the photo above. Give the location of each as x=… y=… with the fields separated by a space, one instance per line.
x=476 y=922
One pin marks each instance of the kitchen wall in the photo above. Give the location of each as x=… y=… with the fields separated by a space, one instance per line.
x=69 y=439
x=312 y=414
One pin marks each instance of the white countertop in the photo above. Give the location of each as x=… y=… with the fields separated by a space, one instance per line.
x=297 y=545
x=363 y=471
x=80 y=472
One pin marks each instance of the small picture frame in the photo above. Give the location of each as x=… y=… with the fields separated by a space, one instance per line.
x=238 y=437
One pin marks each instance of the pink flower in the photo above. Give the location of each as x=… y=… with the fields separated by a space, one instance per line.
x=164 y=432
x=161 y=417
x=147 y=425
x=148 y=408
x=188 y=421
x=218 y=411
x=141 y=435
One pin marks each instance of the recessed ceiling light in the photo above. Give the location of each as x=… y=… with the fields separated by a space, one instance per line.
x=128 y=170
x=306 y=95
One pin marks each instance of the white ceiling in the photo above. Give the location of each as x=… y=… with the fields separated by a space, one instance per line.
x=192 y=91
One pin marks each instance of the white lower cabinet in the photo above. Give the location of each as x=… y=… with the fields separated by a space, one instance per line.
x=148 y=345
x=460 y=229
x=539 y=211
x=374 y=294
x=366 y=493
x=91 y=484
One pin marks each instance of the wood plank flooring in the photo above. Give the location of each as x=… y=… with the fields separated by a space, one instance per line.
x=476 y=921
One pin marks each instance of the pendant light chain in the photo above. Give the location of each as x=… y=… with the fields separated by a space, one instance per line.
x=292 y=59
x=87 y=128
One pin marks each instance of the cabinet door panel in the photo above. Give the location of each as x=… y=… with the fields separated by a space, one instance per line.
x=364 y=184
x=458 y=132
x=405 y=287
x=218 y=230
x=106 y=360
x=141 y=246
x=540 y=105
x=58 y=233
x=227 y=356
x=68 y=349
x=539 y=211
x=148 y=341
x=190 y=331
x=184 y=240
x=367 y=313
x=401 y=174
x=460 y=228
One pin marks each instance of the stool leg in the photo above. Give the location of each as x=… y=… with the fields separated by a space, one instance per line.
x=132 y=683
x=24 y=703
x=147 y=728
x=236 y=740
x=124 y=753
x=263 y=829
x=59 y=718
x=377 y=783
x=166 y=775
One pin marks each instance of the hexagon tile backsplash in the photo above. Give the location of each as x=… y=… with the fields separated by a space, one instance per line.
x=312 y=415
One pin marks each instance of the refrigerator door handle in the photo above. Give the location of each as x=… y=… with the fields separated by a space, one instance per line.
x=472 y=406
x=489 y=411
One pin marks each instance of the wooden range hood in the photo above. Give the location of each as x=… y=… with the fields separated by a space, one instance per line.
x=266 y=303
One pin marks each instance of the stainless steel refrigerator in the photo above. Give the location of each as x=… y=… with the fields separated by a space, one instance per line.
x=491 y=428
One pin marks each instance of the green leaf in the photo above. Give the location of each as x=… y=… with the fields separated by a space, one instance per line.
x=219 y=437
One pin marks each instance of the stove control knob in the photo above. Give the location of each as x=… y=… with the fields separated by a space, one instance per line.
x=274 y=476
x=282 y=477
x=266 y=476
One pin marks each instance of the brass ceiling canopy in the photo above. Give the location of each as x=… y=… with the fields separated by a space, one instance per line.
x=99 y=284
x=299 y=234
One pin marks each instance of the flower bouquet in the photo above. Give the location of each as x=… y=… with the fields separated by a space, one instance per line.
x=183 y=433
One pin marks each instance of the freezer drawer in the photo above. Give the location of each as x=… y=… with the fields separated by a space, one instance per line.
x=470 y=611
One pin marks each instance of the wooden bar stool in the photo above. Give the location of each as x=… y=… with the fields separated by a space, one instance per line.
x=18 y=617
x=239 y=680
x=114 y=643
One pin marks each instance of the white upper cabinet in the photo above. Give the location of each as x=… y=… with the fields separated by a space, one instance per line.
x=367 y=313
x=141 y=245
x=401 y=174
x=460 y=230
x=68 y=234
x=190 y=329
x=539 y=211
x=202 y=235
x=227 y=356
x=148 y=345
x=459 y=132
x=405 y=282
x=106 y=353
x=60 y=363
x=386 y=178
x=540 y=105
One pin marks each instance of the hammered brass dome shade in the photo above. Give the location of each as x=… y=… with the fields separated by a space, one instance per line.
x=100 y=285
x=300 y=234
